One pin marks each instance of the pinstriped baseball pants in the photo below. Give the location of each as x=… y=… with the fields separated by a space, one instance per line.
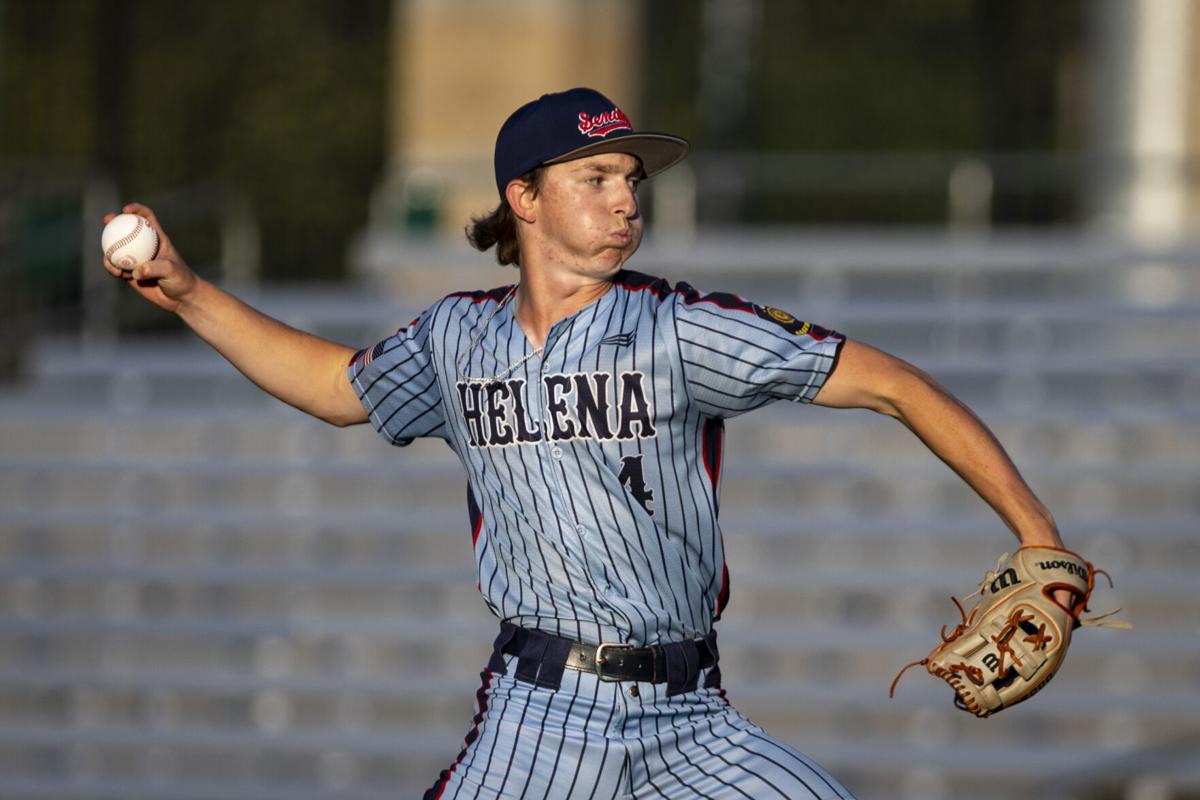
x=593 y=739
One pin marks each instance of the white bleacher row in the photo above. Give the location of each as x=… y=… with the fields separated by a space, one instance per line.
x=204 y=594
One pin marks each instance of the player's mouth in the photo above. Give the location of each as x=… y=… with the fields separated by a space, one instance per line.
x=622 y=237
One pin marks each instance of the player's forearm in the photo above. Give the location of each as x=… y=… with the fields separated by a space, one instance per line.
x=872 y=379
x=966 y=445
x=300 y=369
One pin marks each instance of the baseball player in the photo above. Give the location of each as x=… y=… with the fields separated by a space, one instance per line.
x=587 y=404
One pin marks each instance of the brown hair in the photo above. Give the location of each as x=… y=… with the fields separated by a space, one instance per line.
x=499 y=228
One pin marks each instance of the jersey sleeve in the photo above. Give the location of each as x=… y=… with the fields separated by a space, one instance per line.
x=738 y=355
x=397 y=384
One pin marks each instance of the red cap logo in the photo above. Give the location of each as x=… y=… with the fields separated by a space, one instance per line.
x=604 y=124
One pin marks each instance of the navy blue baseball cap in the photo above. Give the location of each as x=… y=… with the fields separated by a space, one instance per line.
x=573 y=124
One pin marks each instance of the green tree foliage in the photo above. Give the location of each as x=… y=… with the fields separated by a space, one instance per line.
x=46 y=60
x=282 y=100
x=863 y=76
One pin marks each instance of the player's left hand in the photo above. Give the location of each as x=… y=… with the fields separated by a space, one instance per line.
x=166 y=280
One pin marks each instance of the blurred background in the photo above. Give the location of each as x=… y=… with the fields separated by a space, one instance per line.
x=204 y=594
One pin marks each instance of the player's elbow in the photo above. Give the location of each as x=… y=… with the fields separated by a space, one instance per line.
x=340 y=416
x=871 y=379
x=337 y=405
x=902 y=387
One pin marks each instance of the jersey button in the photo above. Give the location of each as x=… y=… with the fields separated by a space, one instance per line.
x=580 y=530
x=556 y=452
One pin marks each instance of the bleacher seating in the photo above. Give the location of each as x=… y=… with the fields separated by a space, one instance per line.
x=205 y=594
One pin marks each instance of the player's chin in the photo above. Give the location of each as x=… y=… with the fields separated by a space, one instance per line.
x=613 y=258
x=625 y=245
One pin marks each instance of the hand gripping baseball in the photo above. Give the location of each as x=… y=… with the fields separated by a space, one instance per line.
x=1013 y=640
x=165 y=280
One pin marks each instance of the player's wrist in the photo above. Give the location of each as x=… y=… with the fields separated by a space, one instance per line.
x=197 y=296
x=1045 y=537
x=1034 y=525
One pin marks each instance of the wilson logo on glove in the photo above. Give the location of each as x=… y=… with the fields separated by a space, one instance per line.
x=1006 y=579
x=1073 y=568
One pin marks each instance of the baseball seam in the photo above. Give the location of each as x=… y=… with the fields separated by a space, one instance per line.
x=126 y=239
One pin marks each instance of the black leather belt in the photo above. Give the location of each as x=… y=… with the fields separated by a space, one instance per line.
x=543 y=656
x=619 y=662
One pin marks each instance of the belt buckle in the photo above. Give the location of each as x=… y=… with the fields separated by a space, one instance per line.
x=600 y=648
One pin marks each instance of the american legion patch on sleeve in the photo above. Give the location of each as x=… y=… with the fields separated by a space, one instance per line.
x=789 y=323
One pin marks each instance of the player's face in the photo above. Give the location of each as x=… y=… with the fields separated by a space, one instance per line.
x=588 y=213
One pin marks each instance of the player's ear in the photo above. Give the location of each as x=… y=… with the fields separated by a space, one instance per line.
x=522 y=199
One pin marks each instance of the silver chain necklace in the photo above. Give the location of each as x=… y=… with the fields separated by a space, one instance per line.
x=462 y=363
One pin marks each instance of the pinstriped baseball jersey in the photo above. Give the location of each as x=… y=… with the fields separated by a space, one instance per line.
x=594 y=466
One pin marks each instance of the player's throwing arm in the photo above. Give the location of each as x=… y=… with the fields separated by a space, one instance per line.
x=300 y=369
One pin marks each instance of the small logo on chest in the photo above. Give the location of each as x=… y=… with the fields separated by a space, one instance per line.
x=618 y=340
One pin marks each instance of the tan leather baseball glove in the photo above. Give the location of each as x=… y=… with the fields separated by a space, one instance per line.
x=1012 y=641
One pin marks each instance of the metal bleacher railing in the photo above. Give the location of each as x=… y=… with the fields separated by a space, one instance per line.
x=205 y=594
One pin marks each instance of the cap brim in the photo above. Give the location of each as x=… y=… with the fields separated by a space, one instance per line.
x=656 y=151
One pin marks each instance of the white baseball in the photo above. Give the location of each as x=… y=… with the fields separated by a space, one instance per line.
x=128 y=241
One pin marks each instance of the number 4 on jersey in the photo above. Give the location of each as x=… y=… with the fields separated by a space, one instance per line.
x=634 y=481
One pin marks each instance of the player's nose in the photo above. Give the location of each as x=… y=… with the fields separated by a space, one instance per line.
x=626 y=202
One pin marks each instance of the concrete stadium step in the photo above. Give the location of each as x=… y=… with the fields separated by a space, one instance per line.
x=389 y=697
x=109 y=484
x=1075 y=710
x=220 y=760
x=817 y=651
x=894 y=581
x=433 y=537
x=316 y=570
x=317 y=705
x=355 y=316
x=929 y=486
x=269 y=433
x=354 y=646
x=871 y=452
x=112 y=484
x=149 y=593
x=185 y=358
x=297 y=759
x=439 y=537
x=286 y=436
x=1049 y=434
x=922 y=327
x=1150 y=363
x=903 y=734
x=1089 y=382
x=335 y=771
x=825 y=650
x=153 y=591
x=970 y=543
x=972 y=329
